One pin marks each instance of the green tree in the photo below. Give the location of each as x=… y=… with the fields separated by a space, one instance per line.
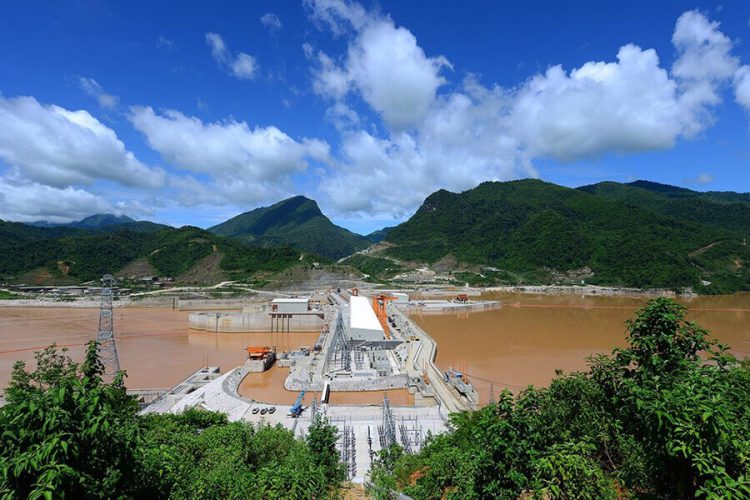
x=65 y=430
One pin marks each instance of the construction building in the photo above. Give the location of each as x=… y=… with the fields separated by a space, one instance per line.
x=363 y=323
x=286 y=305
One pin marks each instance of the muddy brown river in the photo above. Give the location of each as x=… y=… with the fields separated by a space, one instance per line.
x=531 y=336
x=521 y=343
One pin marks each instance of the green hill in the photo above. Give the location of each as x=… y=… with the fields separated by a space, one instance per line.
x=379 y=235
x=104 y=222
x=540 y=230
x=74 y=255
x=722 y=210
x=296 y=222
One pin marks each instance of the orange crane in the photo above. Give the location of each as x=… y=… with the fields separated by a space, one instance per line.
x=378 y=304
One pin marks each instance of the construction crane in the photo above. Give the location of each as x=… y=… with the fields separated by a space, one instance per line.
x=378 y=304
x=296 y=408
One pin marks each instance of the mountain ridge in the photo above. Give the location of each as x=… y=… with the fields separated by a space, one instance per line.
x=541 y=230
x=297 y=222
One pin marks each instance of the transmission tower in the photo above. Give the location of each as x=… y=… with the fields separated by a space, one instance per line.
x=105 y=339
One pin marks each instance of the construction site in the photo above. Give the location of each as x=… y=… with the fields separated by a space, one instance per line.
x=366 y=344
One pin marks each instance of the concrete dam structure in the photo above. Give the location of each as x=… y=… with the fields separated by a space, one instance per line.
x=237 y=322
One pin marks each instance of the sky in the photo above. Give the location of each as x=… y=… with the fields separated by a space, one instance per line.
x=191 y=112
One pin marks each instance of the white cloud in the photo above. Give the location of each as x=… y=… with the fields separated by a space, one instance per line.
x=57 y=147
x=701 y=179
x=246 y=163
x=384 y=64
x=457 y=138
x=626 y=106
x=27 y=202
x=458 y=145
x=742 y=87
x=92 y=88
x=242 y=66
x=704 y=51
x=271 y=21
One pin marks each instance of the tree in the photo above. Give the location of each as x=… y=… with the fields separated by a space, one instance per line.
x=666 y=417
x=64 y=429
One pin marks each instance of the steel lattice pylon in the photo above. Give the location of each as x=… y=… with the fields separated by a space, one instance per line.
x=105 y=339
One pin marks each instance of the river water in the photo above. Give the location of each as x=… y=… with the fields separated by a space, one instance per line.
x=531 y=336
x=521 y=343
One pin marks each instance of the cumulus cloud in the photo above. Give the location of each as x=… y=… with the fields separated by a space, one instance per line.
x=242 y=66
x=742 y=87
x=27 y=202
x=92 y=88
x=384 y=64
x=626 y=106
x=271 y=21
x=460 y=143
x=244 y=161
x=57 y=147
x=456 y=138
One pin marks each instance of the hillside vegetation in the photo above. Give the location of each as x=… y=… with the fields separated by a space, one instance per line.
x=85 y=256
x=537 y=229
x=667 y=417
x=65 y=433
x=295 y=222
x=721 y=210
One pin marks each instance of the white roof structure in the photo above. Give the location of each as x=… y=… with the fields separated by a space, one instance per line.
x=363 y=324
x=285 y=300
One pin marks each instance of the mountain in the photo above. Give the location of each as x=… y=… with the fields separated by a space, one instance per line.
x=379 y=235
x=104 y=222
x=296 y=222
x=64 y=255
x=539 y=230
x=722 y=210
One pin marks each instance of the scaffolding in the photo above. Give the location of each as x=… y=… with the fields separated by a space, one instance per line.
x=411 y=434
x=387 y=429
x=347 y=445
x=359 y=359
x=339 y=357
x=105 y=338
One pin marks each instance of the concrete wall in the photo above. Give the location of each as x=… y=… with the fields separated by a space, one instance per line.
x=253 y=322
x=291 y=305
x=213 y=304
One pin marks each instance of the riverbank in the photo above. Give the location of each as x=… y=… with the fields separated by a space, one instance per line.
x=607 y=291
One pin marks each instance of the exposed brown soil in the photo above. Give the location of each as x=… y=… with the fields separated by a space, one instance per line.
x=205 y=272
x=42 y=277
x=138 y=268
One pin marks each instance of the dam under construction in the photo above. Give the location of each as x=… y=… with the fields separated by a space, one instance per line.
x=366 y=345
x=372 y=366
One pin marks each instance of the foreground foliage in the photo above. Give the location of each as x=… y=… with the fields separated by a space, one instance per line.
x=66 y=432
x=668 y=417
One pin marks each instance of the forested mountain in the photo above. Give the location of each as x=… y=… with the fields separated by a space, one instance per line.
x=379 y=235
x=538 y=229
x=73 y=255
x=104 y=222
x=297 y=222
x=722 y=210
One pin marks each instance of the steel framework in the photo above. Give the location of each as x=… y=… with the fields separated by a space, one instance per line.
x=105 y=338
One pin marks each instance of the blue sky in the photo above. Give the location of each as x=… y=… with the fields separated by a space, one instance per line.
x=192 y=112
